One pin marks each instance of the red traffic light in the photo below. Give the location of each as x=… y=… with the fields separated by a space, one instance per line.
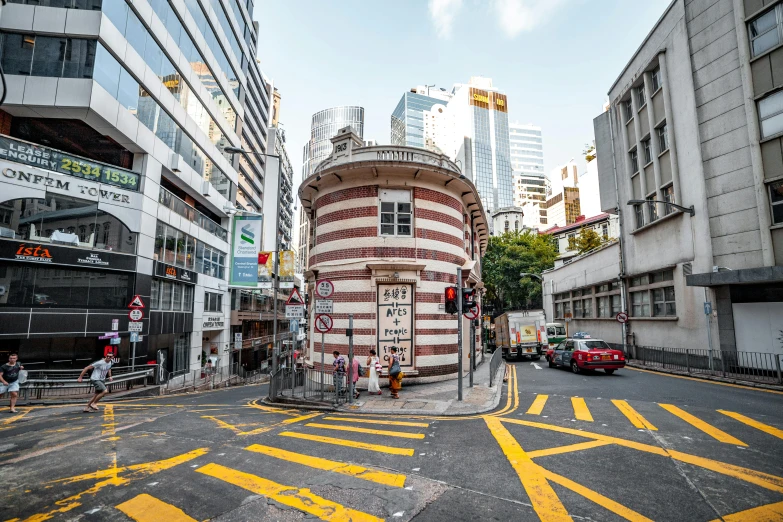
x=451 y=300
x=451 y=293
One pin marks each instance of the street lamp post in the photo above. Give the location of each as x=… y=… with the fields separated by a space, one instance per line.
x=276 y=282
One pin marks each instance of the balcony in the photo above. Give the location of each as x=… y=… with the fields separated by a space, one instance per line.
x=175 y=204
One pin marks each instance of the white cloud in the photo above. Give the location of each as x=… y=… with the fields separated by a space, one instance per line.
x=516 y=16
x=443 y=13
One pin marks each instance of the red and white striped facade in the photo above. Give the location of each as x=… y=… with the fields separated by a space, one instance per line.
x=449 y=230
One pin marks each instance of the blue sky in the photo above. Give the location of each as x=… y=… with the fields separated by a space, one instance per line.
x=555 y=59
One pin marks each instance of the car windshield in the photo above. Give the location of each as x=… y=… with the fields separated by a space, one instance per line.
x=595 y=345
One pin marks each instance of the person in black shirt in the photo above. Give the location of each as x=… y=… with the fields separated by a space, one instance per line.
x=9 y=379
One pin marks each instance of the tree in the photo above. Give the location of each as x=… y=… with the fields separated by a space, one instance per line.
x=508 y=256
x=588 y=239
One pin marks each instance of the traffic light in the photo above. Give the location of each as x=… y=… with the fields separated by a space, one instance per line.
x=468 y=298
x=451 y=300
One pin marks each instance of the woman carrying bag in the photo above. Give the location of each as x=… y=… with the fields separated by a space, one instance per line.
x=374 y=364
x=395 y=374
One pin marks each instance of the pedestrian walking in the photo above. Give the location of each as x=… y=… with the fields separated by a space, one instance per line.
x=9 y=379
x=395 y=374
x=208 y=367
x=101 y=370
x=355 y=368
x=374 y=364
x=338 y=375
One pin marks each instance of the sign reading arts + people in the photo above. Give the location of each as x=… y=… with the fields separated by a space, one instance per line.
x=395 y=322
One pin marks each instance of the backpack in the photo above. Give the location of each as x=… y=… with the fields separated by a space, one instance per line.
x=362 y=371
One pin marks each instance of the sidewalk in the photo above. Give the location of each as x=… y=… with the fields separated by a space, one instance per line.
x=438 y=398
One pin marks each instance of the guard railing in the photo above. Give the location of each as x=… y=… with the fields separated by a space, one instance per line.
x=43 y=384
x=494 y=364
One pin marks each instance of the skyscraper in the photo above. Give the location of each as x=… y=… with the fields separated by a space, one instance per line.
x=531 y=186
x=408 y=118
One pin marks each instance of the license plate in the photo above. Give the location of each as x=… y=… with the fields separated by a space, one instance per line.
x=606 y=357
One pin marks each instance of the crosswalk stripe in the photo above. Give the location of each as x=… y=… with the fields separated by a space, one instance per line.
x=301 y=499
x=775 y=432
x=538 y=405
x=636 y=419
x=408 y=452
x=146 y=508
x=379 y=477
x=581 y=411
x=379 y=421
x=699 y=424
x=301 y=418
x=369 y=431
x=766 y=513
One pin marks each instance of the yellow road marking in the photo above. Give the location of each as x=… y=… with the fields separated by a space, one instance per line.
x=408 y=452
x=699 y=424
x=775 y=432
x=301 y=418
x=768 y=513
x=538 y=405
x=15 y=418
x=380 y=477
x=633 y=416
x=369 y=431
x=544 y=499
x=566 y=449
x=109 y=424
x=379 y=421
x=765 y=480
x=705 y=381
x=146 y=508
x=301 y=499
x=581 y=412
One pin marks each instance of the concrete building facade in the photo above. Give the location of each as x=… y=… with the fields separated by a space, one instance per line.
x=509 y=219
x=391 y=227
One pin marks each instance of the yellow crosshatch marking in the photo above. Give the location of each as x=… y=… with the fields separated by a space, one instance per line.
x=775 y=432
x=369 y=431
x=581 y=412
x=634 y=416
x=408 y=452
x=538 y=405
x=146 y=508
x=380 y=421
x=768 y=513
x=699 y=424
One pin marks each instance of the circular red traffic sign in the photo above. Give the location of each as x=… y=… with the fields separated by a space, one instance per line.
x=136 y=315
x=473 y=313
x=323 y=323
x=622 y=317
x=324 y=288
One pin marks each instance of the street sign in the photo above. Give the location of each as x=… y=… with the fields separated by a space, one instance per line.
x=294 y=311
x=323 y=323
x=473 y=313
x=707 y=308
x=238 y=337
x=135 y=326
x=293 y=326
x=114 y=340
x=324 y=288
x=622 y=317
x=115 y=324
x=295 y=298
x=324 y=306
x=136 y=302
x=134 y=337
x=136 y=314
x=109 y=335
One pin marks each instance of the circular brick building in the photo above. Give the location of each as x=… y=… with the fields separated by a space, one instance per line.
x=390 y=226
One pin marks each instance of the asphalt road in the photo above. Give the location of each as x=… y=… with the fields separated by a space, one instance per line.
x=632 y=446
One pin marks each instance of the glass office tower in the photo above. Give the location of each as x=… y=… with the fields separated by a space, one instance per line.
x=324 y=126
x=407 y=120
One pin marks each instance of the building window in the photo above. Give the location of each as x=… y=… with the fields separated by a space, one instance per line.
x=663 y=275
x=605 y=230
x=771 y=114
x=616 y=305
x=655 y=78
x=663 y=138
x=668 y=197
x=647 y=151
x=396 y=213
x=587 y=308
x=210 y=261
x=604 y=306
x=764 y=31
x=578 y=308
x=506 y=225
x=559 y=310
x=640 y=304
x=651 y=205
x=627 y=110
x=640 y=99
x=640 y=280
x=776 y=200
x=634 y=161
x=213 y=302
x=639 y=212
x=663 y=302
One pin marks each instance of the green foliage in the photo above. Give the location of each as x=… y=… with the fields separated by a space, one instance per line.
x=508 y=256
x=587 y=240
x=589 y=152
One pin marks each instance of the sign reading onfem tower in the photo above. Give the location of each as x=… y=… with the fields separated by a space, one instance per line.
x=244 y=250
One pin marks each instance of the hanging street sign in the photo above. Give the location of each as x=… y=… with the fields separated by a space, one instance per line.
x=323 y=323
x=324 y=288
x=324 y=306
x=136 y=315
x=136 y=302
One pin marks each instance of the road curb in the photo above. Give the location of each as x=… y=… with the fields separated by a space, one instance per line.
x=708 y=378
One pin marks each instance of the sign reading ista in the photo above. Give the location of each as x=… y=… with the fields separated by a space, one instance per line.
x=56 y=255
x=175 y=272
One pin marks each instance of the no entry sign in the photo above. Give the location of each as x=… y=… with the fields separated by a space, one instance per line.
x=473 y=313
x=622 y=317
x=323 y=323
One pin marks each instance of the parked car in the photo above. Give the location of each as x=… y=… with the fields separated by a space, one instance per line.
x=586 y=354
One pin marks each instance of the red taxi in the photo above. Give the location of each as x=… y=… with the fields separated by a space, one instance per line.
x=586 y=354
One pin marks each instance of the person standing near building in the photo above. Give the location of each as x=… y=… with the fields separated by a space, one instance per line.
x=338 y=374
x=100 y=371
x=355 y=376
x=395 y=374
x=374 y=365
x=9 y=379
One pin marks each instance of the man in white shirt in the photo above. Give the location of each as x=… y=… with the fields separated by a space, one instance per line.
x=100 y=370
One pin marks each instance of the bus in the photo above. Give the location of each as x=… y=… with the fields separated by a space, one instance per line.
x=556 y=333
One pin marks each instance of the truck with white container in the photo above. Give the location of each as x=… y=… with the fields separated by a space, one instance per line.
x=521 y=334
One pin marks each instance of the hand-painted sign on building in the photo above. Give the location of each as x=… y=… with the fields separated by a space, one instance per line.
x=395 y=322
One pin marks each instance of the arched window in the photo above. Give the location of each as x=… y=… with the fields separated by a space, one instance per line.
x=507 y=225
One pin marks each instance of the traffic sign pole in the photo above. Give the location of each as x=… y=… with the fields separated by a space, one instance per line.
x=459 y=335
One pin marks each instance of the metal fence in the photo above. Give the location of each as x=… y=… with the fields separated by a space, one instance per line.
x=494 y=363
x=45 y=384
x=310 y=384
x=747 y=366
x=204 y=379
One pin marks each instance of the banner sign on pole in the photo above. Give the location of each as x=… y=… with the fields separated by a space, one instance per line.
x=244 y=250
x=287 y=267
x=266 y=268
